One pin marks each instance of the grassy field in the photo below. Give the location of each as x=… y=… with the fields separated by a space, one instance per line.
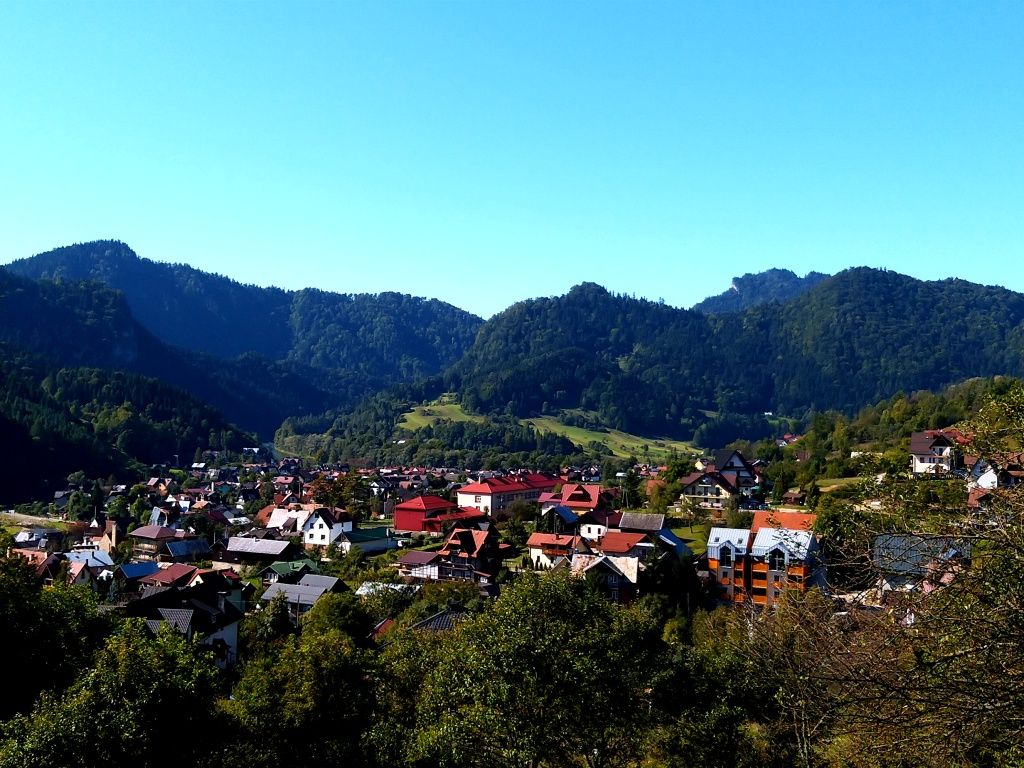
x=439 y=410
x=830 y=484
x=619 y=443
x=696 y=539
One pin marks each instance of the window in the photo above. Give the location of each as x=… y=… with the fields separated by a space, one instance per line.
x=323 y=537
x=725 y=556
x=476 y=499
x=777 y=560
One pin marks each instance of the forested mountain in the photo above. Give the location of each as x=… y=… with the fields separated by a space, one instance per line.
x=589 y=357
x=755 y=289
x=72 y=324
x=385 y=337
x=854 y=338
x=55 y=421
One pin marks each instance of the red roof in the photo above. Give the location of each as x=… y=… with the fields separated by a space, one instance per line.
x=552 y=540
x=619 y=543
x=512 y=484
x=428 y=503
x=790 y=521
x=577 y=496
x=170 y=575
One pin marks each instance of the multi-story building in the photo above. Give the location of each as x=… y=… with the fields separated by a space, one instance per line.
x=494 y=494
x=780 y=552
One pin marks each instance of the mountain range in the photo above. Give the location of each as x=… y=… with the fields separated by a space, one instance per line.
x=775 y=342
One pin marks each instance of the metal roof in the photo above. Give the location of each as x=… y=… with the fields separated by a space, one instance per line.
x=296 y=594
x=641 y=521
x=257 y=546
x=796 y=544
x=735 y=538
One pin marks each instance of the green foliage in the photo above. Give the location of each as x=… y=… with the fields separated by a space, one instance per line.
x=305 y=704
x=92 y=422
x=751 y=290
x=52 y=632
x=130 y=708
x=551 y=673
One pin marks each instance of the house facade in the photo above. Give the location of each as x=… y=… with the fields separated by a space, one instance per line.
x=494 y=494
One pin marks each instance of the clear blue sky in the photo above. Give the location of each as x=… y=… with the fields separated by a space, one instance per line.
x=484 y=152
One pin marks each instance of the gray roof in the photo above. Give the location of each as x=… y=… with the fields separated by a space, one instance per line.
x=257 y=546
x=296 y=594
x=314 y=580
x=94 y=558
x=640 y=521
x=178 y=618
x=910 y=554
x=441 y=621
x=186 y=547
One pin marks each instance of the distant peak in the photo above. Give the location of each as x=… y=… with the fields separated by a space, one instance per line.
x=755 y=288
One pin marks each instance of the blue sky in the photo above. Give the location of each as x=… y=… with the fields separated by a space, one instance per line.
x=485 y=152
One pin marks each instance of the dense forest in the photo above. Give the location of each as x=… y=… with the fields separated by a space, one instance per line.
x=650 y=369
x=752 y=290
x=377 y=339
x=314 y=364
x=57 y=421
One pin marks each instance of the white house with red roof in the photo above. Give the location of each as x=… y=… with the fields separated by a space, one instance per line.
x=494 y=494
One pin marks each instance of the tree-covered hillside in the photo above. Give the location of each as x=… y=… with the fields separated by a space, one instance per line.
x=387 y=337
x=55 y=421
x=752 y=290
x=73 y=324
x=854 y=338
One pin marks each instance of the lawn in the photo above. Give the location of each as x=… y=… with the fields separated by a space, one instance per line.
x=696 y=539
x=621 y=444
x=441 y=409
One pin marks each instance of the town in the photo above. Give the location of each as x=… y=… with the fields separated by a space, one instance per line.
x=196 y=549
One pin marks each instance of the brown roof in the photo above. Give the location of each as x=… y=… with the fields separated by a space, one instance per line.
x=153 y=532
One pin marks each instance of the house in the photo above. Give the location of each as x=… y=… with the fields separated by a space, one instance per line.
x=187 y=550
x=759 y=564
x=935 y=451
x=301 y=597
x=128 y=575
x=619 y=544
x=470 y=555
x=175 y=575
x=577 y=497
x=782 y=559
x=596 y=523
x=416 y=564
x=323 y=528
x=731 y=466
x=206 y=612
x=240 y=551
x=369 y=540
x=641 y=522
x=916 y=562
x=615 y=577
x=709 y=489
x=148 y=541
x=548 y=548
x=430 y=514
x=728 y=556
x=287 y=571
x=495 y=494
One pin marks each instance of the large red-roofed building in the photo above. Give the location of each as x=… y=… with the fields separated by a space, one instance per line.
x=429 y=514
